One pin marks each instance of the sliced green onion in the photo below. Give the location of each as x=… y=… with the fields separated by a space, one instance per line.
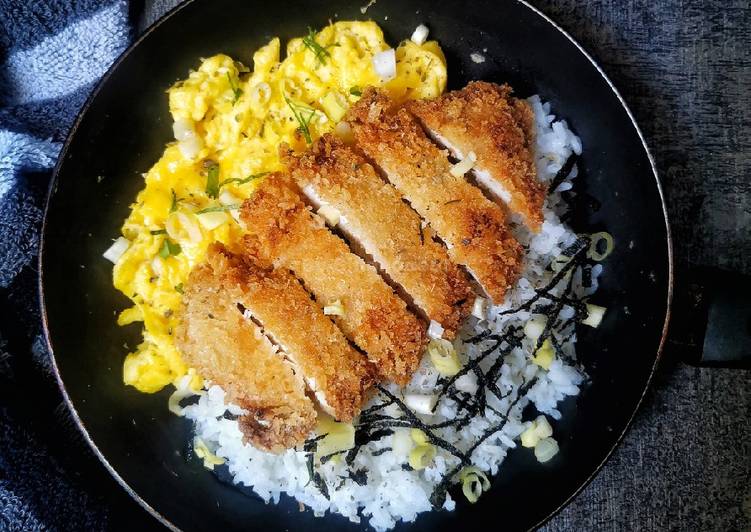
x=474 y=482
x=169 y=248
x=419 y=437
x=212 y=179
x=594 y=244
x=202 y=451
x=239 y=181
x=546 y=449
x=219 y=208
x=173 y=203
x=544 y=355
x=421 y=456
x=595 y=314
x=303 y=114
x=444 y=357
x=236 y=90
x=320 y=52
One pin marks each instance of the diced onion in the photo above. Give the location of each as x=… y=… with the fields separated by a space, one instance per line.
x=384 y=64
x=191 y=146
x=467 y=383
x=181 y=225
x=183 y=129
x=596 y=238
x=212 y=220
x=202 y=451
x=420 y=35
x=421 y=456
x=444 y=357
x=422 y=404
x=478 y=308
x=535 y=326
x=116 y=250
x=474 y=482
x=463 y=166
x=595 y=314
x=344 y=131
x=544 y=355
x=330 y=214
x=334 y=309
x=435 y=330
x=402 y=443
x=546 y=449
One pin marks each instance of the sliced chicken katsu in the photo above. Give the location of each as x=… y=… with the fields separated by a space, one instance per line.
x=231 y=351
x=282 y=230
x=472 y=227
x=372 y=214
x=337 y=374
x=485 y=119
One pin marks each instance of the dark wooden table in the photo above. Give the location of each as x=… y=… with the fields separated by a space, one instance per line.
x=684 y=67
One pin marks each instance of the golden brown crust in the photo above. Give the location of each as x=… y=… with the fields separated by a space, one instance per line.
x=282 y=230
x=335 y=372
x=231 y=351
x=386 y=228
x=484 y=118
x=472 y=226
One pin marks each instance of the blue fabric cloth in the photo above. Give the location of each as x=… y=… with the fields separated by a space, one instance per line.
x=52 y=52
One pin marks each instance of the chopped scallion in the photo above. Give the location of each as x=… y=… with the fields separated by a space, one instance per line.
x=219 y=208
x=212 y=180
x=240 y=181
x=236 y=90
x=320 y=52
x=303 y=114
x=169 y=248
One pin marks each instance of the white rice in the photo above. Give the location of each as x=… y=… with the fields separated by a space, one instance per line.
x=392 y=493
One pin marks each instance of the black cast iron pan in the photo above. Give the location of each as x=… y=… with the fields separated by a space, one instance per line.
x=121 y=133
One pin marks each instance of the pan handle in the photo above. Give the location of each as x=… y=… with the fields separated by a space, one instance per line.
x=711 y=318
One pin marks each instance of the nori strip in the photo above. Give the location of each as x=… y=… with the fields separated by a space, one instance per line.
x=373 y=424
x=359 y=477
x=563 y=173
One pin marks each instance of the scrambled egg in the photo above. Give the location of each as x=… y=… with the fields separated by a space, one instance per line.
x=229 y=122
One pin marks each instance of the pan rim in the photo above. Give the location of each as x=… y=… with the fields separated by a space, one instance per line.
x=53 y=184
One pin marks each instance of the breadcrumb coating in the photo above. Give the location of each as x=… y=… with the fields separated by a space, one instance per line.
x=485 y=119
x=336 y=373
x=282 y=230
x=373 y=215
x=472 y=227
x=232 y=352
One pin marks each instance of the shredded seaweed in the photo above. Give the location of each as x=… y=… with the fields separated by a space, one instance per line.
x=563 y=173
x=359 y=477
x=378 y=421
